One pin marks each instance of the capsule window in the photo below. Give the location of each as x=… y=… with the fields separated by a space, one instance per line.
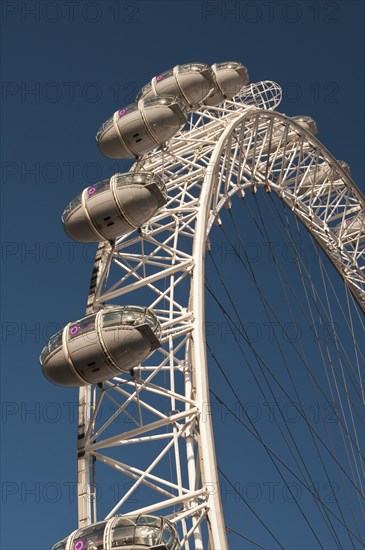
x=147 y=535
x=61 y=545
x=128 y=531
x=107 y=124
x=165 y=100
x=151 y=321
x=55 y=341
x=123 y=179
x=153 y=101
x=112 y=318
x=127 y=110
x=90 y=537
x=228 y=65
x=165 y=75
x=132 y=318
x=71 y=207
x=44 y=354
x=123 y=532
x=144 y=91
x=168 y=536
x=81 y=327
x=302 y=118
x=98 y=188
x=192 y=67
x=149 y=520
x=135 y=309
x=139 y=178
x=148 y=530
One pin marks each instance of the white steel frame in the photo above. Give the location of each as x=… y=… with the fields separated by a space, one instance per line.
x=222 y=151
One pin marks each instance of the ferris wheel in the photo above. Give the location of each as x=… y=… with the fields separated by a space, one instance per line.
x=200 y=137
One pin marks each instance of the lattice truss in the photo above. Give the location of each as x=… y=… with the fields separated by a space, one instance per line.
x=155 y=411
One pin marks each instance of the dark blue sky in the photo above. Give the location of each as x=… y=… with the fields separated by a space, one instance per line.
x=66 y=67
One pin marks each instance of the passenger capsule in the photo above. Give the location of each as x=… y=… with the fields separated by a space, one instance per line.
x=304 y=183
x=317 y=175
x=314 y=177
x=282 y=131
x=230 y=78
x=191 y=83
x=306 y=122
x=135 y=532
x=345 y=166
x=101 y=346
x=140 y=127
x=352 y=228
x=114 y=207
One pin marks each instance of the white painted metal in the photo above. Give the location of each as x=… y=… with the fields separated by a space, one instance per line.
x=223 y=151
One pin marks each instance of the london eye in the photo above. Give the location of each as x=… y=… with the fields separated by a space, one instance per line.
x=216 y=168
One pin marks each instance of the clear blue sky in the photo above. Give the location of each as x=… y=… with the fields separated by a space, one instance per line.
x=66 y=66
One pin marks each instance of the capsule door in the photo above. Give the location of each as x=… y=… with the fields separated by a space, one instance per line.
x=163 y=117
x=134 y=131
x=103 y=211
x=138 y=196
x=86 y=352
x=124 y=338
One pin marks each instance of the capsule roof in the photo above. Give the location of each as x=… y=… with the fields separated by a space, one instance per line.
x=191 y=82
x=306 y=121
x=134 y=531
x=180 y=69
x=167 y=100
x=229 y=65
x=213 y=85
